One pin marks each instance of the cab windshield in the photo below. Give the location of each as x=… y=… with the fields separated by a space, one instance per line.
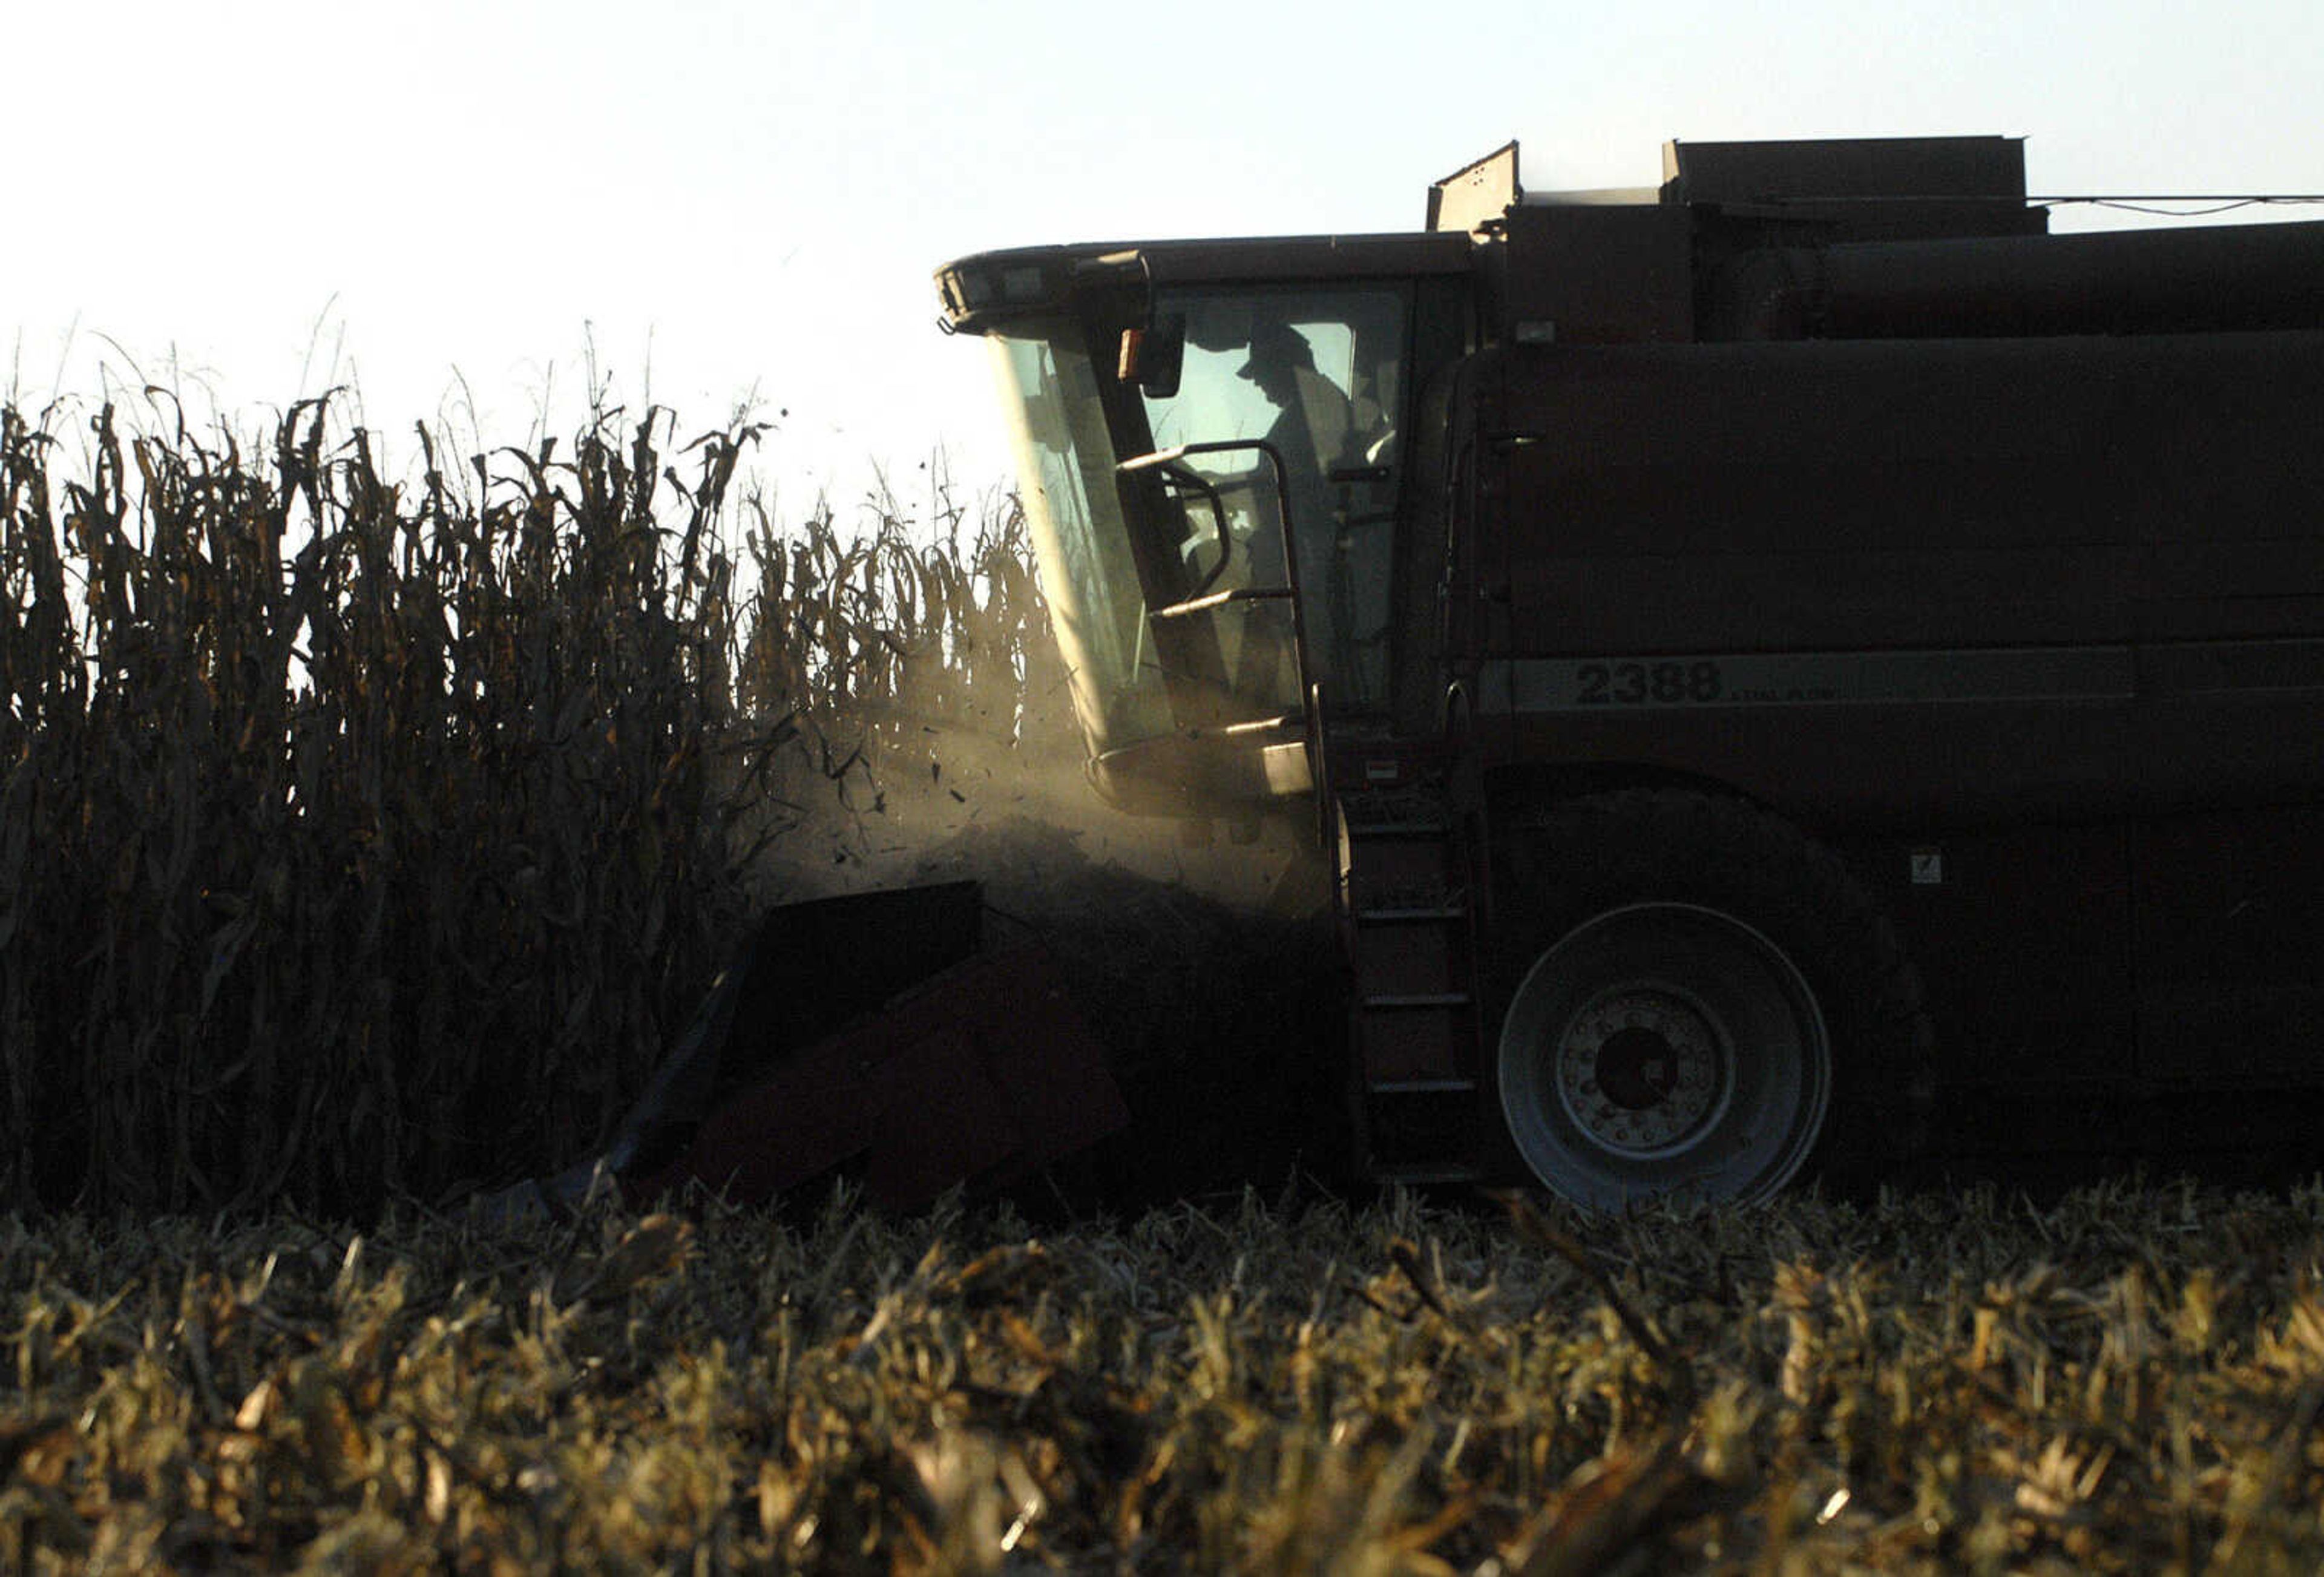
x=1065 y=479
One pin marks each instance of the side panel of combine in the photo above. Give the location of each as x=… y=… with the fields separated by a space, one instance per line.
x=1841 y=577
x=2032 y=625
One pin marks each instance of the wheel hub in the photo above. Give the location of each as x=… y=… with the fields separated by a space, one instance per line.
x=1639 y=1069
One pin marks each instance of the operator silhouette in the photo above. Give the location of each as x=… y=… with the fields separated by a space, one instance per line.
x=1315 y=428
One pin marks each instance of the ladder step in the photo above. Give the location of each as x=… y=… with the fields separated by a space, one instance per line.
x=1418 y=1173
x=1248 y=593
x=1413 y=915
x=1418 y=999
x=1398 y=829
x=1424 y=1087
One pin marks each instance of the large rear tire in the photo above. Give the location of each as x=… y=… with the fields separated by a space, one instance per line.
x=1699 y=1001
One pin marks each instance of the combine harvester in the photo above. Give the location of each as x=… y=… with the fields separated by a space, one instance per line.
x=1757 y=651
x=1756 y=654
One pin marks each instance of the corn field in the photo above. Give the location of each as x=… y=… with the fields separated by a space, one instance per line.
x=363 y=838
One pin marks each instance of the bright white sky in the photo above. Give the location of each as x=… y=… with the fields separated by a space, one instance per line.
x=745 y=201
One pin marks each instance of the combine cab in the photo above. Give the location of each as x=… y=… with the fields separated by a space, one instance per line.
x=1755 y=651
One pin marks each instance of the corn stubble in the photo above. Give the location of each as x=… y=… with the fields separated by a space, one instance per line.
x=2128 y=1381
x=361 y=838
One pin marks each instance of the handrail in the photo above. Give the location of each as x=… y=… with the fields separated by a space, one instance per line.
x=1289 y=590
x=1280 y=723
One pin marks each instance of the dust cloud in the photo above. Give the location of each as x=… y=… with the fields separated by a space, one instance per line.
x=1209 y=971
x=945 y=803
